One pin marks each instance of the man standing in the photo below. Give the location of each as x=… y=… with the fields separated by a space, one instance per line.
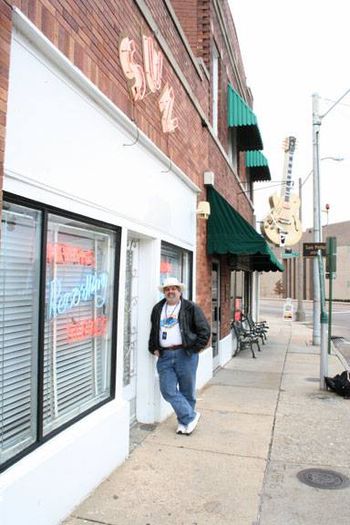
x=179 y=331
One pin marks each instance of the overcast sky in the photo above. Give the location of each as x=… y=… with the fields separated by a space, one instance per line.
x=291 y=50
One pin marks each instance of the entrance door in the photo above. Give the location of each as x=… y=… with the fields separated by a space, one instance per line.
x=215 y=312
x=130 y=324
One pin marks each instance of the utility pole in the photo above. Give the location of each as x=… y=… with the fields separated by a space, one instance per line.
x=300 y=314
x=316 y=123
x=319 y=316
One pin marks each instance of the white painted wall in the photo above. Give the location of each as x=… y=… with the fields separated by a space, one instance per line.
x=43 y=487
x=225 y=349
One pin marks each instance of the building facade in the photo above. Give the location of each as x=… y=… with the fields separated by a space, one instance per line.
x=117 y=119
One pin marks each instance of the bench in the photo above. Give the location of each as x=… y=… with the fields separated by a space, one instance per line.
x=244 y=338
x=259 y=329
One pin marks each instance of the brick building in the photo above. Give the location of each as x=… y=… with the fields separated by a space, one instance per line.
x=117 y=119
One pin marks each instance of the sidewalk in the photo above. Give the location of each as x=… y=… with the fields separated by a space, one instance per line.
x=263 y=421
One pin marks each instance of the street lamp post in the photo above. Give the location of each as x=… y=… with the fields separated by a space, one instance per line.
x=316 y=123
x=319 y=316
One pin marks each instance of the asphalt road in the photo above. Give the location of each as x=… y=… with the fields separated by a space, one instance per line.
x=340 y=320
x=340 y=314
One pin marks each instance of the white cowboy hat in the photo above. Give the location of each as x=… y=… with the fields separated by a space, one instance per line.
x=171 y=281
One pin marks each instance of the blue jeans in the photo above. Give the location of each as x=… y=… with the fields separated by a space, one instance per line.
x=177 y=381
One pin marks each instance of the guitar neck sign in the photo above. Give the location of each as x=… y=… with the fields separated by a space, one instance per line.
x=290 y=148
x=149 y=74
x=282 y=226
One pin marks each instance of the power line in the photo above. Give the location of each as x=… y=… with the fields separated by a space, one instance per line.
x=340 y=103
x=265 y=187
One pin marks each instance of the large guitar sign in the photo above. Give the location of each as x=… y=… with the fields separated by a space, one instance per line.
x=282 y=225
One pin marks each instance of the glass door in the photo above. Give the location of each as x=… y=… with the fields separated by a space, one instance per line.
x=130 y=325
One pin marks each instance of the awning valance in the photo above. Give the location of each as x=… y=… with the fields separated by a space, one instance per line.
x=229 y=233
x=258 y=166
x=240 y=116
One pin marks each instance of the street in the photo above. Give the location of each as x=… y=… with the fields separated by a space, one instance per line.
x=340 y=320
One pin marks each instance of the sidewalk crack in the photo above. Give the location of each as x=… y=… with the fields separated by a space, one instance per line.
x=90 y=520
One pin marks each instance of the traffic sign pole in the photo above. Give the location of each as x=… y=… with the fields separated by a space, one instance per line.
x=331 y=268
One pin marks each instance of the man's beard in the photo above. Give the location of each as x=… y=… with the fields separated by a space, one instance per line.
x=171 y=299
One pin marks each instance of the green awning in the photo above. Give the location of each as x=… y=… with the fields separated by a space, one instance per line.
x=229 y=233
x=258 y=166
x=240 y=116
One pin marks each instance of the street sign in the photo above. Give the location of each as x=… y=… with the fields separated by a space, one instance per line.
x=331 y=261
x=289 y=255
x=310 y=249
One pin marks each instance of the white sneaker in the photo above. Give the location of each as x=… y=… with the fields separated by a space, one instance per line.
x=191 y=426
x=181 y=429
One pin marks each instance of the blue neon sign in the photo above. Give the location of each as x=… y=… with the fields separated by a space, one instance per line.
x=94 y=286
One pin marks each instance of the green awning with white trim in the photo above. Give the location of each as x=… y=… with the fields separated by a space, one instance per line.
x=241 y=117
x=258 y=166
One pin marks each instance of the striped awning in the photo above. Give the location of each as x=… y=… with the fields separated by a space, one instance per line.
x=258 y=166
x=240 y=116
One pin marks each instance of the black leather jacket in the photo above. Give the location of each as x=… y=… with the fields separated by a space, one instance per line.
x=194 y=328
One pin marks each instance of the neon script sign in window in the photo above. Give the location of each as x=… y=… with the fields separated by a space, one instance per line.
x=94 y=286
x=150 y=74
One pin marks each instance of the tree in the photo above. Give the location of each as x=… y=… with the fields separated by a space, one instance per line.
x=279 y=288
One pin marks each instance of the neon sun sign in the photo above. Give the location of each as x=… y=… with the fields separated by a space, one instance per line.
x=150 y=74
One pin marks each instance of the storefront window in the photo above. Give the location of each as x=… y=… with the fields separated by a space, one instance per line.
x=176 y=262
x=78 y=318
x=19 y=293
x=57 y=319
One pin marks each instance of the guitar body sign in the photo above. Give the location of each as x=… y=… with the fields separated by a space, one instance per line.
x=282 y=226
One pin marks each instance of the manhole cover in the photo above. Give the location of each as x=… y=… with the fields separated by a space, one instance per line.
x=323 y=478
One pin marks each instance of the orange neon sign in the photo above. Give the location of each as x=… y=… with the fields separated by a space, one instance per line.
x=153 y=64
x=60 y=253
x=86 y=329
x=133 y=72
x=166 y=267
x=166 y=105
x=149 y=75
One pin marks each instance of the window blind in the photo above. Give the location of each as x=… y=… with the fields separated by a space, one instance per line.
x=19 y=288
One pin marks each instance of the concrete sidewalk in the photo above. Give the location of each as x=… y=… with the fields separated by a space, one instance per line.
x=263 y=421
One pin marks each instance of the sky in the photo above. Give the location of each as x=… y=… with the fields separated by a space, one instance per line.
x=291 y=50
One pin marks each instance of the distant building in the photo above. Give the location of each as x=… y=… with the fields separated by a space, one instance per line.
x=285 y=285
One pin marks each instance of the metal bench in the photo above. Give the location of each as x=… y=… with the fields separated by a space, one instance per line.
x=244 y=338
x=259 y=329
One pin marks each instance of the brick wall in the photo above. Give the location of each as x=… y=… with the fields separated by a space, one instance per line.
x=194 y=16
x=88 y=33
x=5 y=39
